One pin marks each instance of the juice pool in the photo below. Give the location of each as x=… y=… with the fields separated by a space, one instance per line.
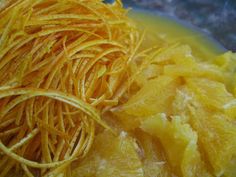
x=165 y=29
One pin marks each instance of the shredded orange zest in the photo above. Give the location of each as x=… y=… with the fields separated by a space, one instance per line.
x=55 y=57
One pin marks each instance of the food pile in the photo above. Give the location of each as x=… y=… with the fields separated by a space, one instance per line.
x=84 y=92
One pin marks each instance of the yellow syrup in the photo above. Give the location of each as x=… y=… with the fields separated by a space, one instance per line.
x=165 y=29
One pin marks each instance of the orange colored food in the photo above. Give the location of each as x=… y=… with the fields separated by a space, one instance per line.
x=86 y=92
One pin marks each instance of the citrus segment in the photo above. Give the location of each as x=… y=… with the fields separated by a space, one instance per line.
x=111 y=156
x=180 y=145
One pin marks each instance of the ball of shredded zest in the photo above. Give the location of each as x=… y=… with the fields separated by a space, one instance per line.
x=62 y=62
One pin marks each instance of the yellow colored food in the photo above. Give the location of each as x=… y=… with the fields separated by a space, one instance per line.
x=111 y=156
x=85 y=91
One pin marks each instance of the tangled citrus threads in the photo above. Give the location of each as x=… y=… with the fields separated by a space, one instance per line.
x=61 y=63
x=85 y=92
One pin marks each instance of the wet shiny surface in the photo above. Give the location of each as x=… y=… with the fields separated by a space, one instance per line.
x=215 y=18
x=172 y=30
